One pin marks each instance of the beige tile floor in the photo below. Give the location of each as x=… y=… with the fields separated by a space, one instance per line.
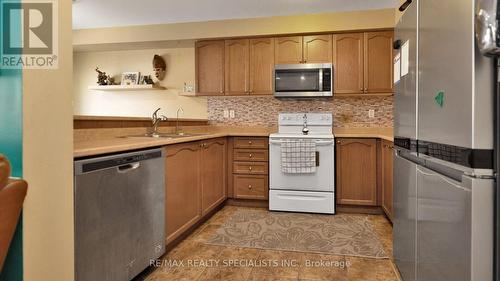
x=264 y=268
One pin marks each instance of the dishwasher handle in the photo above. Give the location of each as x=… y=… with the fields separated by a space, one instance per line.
x=128 y=167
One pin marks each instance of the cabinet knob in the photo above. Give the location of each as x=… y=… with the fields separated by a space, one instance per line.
x=249 y=186
x=249 y=142
x=338 y=142
x=366 y=89
x=250 y=155
x=222 y=92
x=250 y=168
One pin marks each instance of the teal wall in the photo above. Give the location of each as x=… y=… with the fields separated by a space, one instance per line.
x=11 y=129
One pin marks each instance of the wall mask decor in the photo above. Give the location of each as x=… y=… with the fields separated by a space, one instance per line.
x=159 y=67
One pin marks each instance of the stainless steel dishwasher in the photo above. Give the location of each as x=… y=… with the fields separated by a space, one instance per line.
x=119 y=214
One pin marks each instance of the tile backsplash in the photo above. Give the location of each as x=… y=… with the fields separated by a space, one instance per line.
x=263 y=111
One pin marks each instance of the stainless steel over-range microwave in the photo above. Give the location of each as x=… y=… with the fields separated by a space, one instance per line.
x=305 y=80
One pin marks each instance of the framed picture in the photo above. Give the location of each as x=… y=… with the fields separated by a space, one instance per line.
x=130 y=78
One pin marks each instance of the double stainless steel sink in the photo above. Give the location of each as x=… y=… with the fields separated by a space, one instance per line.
x=163 y=135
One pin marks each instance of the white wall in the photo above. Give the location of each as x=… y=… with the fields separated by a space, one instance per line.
x=180 y=69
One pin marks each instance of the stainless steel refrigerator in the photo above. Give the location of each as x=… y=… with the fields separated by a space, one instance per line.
x=444 y=138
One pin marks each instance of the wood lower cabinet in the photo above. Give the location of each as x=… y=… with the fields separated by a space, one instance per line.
x=182 y=188
x=249 y=168
x=209 y=64
x=195 y=183
x=213 y=174
x=251 y=187
x=356 y=171
x=386 y=154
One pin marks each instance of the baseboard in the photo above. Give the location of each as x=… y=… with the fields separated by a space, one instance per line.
x=372 y=210
x=248 y=203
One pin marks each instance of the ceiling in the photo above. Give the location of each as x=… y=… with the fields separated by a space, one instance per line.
x=112 y=13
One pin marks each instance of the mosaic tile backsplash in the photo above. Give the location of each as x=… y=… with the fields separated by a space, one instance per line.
x=263 y=111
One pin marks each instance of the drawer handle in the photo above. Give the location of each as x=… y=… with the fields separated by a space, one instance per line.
x=250 y=155
x=249 y=186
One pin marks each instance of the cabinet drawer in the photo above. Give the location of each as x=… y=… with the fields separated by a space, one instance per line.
x=245 y=142
x=250 y=155
x=251 y=187
x=258 y=168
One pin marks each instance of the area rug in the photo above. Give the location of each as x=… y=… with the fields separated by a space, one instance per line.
x=344 y=234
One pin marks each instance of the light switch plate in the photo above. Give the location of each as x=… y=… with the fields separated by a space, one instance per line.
x=371 y=113
x=226 y=113
x=231 y=113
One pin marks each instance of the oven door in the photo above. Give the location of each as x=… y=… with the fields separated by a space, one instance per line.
x=322 y=180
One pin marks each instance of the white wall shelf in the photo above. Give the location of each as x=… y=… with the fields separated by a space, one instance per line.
x=144 y=87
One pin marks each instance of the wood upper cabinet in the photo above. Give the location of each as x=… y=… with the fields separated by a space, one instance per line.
x=213 y=173
x=182 y=188
x=363 y=62
x=357 y=171
x=386 y=174
x=348 y=63
x=288 y=50
x=317 y=49
x=261 y=66
x=304 y=49
x=378 y=68
x=236 y=67
x=209 y=62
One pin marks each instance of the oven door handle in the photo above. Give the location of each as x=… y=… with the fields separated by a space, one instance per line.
x=329 y=142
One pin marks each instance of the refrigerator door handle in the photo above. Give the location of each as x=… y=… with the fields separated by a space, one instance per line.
x=444 y=178
x=444 y=170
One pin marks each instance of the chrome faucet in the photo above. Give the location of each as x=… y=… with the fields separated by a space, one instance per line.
x=177 y=131
x=155 y=120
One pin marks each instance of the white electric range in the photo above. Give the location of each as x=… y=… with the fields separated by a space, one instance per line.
x=303 y=192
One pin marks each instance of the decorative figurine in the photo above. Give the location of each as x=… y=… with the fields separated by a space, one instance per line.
x=103 y=79
x=159 y=67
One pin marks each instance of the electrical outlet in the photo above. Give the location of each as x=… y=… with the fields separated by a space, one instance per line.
x=371 y=113
x=231 y=113
x=226 y=113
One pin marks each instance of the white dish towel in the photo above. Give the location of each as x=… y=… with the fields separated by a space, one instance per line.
x=298 y=156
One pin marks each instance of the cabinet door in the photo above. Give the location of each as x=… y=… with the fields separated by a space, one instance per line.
x=317 y=49
x=209 y=60
x=213 y=173
x=348 y=63
x=387 y=152
x=236 y=70
x=357 y=172
x=378 y=60
x=288 y=50
x=261 y=66
x=182 y=196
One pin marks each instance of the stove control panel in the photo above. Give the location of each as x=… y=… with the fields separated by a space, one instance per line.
x=312 y=119
x=305 y=123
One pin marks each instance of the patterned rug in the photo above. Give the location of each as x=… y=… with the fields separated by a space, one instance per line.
x=343 y=234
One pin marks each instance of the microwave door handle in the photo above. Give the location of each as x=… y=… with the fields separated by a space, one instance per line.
x=320 y=80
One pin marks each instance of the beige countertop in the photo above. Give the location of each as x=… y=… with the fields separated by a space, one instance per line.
x=91 y=142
